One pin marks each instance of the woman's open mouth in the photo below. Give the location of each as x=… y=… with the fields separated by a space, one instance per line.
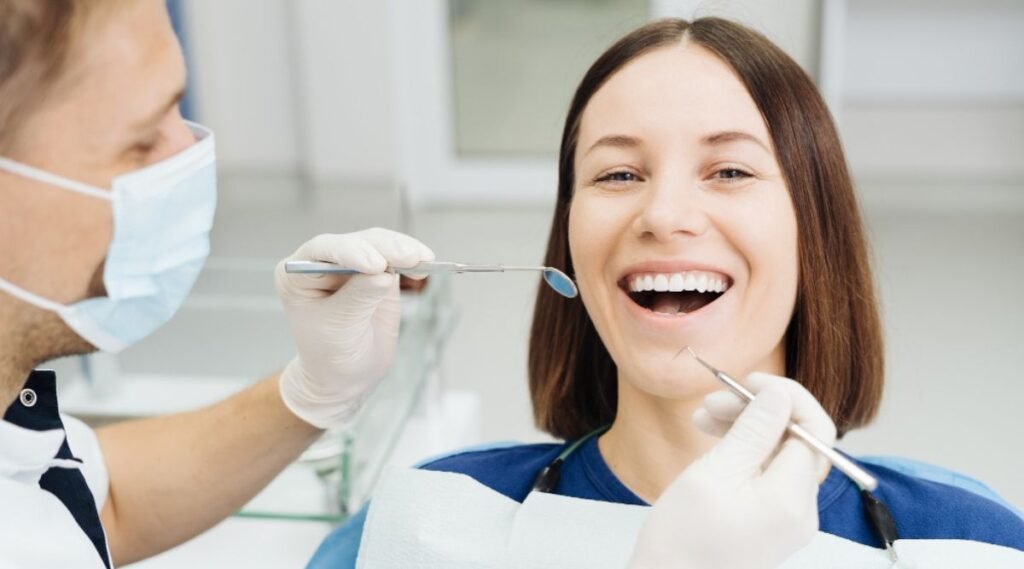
x=675 y=294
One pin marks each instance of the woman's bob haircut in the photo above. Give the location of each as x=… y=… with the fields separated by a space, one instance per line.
x=833 y=344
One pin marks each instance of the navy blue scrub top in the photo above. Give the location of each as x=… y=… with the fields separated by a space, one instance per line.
x=36 y=409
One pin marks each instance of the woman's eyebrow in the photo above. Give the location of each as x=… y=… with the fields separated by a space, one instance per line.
x=727 y=136
x=615 y=141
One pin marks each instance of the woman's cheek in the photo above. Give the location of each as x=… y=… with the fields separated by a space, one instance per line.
x=760 y=225
x=774 y=263
x=787 y=254
x=592 y=240
x=587 y=240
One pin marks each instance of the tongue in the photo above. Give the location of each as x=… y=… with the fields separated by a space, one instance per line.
x=679 y=302
x=666 y=303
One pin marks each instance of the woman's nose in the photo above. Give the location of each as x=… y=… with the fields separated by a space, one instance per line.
x=672 y=208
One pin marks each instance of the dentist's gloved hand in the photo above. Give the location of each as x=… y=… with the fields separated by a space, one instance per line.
x=751 y=501
x=345 y=327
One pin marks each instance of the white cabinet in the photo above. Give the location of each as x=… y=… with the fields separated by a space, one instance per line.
x=930 y=99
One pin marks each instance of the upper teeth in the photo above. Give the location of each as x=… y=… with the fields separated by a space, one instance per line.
x=678 y=282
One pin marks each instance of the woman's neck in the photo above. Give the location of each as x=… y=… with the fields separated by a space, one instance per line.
x=652 y=440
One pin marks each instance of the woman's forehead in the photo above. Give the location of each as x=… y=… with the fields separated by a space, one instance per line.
x=683 y=90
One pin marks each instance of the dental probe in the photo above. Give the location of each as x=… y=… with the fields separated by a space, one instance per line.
x=556 y=279
x=878 y=514
x=860 y=477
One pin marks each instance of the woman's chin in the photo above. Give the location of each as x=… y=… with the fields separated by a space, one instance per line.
x=679 y=379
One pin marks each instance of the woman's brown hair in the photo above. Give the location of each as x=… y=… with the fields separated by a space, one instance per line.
x=833 y=344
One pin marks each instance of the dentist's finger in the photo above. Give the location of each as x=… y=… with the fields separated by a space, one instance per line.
x=724 y=405
x=807 y=411
x=399 y=250
x=756 y=433
x=347 y=250
x=796 y=462
x=796 y=459
x=710 y=425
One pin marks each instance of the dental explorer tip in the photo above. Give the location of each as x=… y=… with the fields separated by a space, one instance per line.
x=694 y=355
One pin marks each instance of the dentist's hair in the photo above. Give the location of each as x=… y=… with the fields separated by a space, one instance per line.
x=35 y=42
x=833 y=344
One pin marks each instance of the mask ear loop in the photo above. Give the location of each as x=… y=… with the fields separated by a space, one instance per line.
x=33 y=299
x=39 y=175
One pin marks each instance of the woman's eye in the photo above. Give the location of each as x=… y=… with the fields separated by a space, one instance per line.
x=731 y=174
x=621 y=176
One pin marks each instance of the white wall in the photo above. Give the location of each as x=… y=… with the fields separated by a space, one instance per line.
x=953 y=323
x=241 y=72
x=347 y=115
x=296 y=86
x=931 y=97
x=926 y=50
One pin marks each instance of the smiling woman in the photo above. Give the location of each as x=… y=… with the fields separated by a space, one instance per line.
x=692 y=189
x=703 y=200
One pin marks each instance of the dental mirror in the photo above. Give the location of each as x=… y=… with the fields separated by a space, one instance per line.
x=556 y=279
x=560 y=282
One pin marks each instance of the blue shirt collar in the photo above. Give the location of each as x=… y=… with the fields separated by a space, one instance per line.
x=611 y=488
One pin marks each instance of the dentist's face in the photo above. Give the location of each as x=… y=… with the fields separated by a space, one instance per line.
x=113 y=109
x=681 y=229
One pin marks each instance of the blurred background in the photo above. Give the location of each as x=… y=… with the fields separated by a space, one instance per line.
x=442 y=118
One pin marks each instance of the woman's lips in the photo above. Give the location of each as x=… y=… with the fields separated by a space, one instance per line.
x=684 y=292
x=652 y=317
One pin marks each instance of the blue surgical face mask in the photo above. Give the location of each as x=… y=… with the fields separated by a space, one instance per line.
x=162 y=219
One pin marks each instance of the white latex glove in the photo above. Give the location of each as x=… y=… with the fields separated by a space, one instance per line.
x=748 y=503
x=345 y=327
